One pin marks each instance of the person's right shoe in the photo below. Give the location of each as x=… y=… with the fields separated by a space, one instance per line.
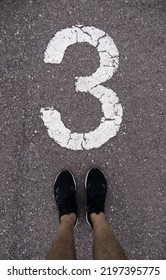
x=96 y=189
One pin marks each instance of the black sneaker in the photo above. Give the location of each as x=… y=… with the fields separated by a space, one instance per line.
x=96 y=188
x=65 y=193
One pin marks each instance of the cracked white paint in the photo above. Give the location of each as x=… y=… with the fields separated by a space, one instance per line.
x=111 y=108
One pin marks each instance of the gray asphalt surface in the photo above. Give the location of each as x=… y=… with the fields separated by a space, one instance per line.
x=134 y=161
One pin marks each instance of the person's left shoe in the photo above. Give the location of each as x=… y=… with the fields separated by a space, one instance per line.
x=65 y=194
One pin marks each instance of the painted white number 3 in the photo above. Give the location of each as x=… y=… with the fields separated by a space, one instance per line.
x=111 y=108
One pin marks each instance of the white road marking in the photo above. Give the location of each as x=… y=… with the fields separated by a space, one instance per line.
x=111 y=108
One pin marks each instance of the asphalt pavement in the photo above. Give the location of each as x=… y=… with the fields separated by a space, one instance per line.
x=134 y=161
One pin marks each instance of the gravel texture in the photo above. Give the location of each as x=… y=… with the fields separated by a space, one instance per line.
x=134 y=161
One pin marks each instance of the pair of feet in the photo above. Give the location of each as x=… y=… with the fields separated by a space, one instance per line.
x=65 y=193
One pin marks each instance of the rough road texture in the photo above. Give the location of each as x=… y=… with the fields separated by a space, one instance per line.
x=134 y=161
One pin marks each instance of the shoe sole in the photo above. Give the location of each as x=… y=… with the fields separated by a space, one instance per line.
x=75 y=185
x=86 y=190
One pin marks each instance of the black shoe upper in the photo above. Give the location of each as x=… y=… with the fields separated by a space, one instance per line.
x=65 y=193
x=96 y=188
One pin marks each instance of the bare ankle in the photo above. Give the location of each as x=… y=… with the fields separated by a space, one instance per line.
x=95 y=216
x=98 y=220
x=69 y=219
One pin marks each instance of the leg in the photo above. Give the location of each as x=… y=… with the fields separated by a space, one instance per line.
x=63 y=247
x=106 y=245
